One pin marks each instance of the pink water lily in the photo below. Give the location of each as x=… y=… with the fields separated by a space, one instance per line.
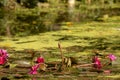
x=97 y=63
x=3 y=56
x=3 y=53
x=112 y=57
x=40 y=59
x=34 y=69
x=2 y=60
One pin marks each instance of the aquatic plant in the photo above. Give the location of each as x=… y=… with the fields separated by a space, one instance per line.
x=112 y=57
x=34 y=68
x=40 y=59
x=97 y=62
x=3 y=56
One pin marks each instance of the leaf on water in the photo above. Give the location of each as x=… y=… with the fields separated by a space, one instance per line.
x=43 y=67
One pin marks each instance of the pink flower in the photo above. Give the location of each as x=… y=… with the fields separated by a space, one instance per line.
x=97 y=63
x=2 y=60
x=40 y=60
x=3 y=56
x=3 y=53
x=112 y=57
x=34 y=69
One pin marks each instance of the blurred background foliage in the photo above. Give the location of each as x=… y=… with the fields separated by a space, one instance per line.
x=27 y=17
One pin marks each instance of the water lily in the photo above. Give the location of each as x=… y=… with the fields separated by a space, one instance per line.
x=112 y=57
x=3 y=56
x=34 y=69
x=40 y=59
x=97 y=62
x=3 y=53
x=2 y=60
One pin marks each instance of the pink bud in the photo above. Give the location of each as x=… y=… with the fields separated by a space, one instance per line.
x=40 y=60
x=97 y=63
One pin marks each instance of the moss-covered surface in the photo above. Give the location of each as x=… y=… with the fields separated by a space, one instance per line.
x=77 y=40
